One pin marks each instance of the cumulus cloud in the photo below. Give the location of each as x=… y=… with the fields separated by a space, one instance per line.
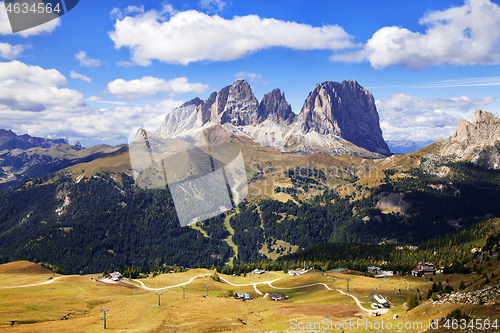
x=86 y=61
x=212 y=6
x=6 y=29
x=466 y=35
x=252 y=77
x=191 y=36
x=32 y=88
x=88 y=125
x=10 y=52
x=152 y=86
x=75 y=75
x=420 y=119
x=16 y=70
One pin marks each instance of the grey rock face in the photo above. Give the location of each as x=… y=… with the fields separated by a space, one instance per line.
x=275 y=107
x=336 y=118
x=346 y=110
x=477 y=141
x=241 y=108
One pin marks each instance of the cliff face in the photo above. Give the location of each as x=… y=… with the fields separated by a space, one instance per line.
x=477 y=141
x=336 y=118
x=346 y=110
x=275 y=107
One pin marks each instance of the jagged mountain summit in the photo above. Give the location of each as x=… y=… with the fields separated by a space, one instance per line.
x=337 y=119
x=477 y=141
x=346 y=110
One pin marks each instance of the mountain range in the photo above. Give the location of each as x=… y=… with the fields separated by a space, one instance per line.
x=90 y=216
x=23 y=157
x=336 y=119
x=406 y=146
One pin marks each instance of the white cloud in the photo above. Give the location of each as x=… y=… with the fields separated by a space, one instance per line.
x=125 y=63
x=466 y=35
x=192 y=36
x=403 y=102
x=88 y=125
x=116 y=13
x=6 y=29
x=252 y=77
x=96 y=99
x=212 y=6
x=75 y=75
x=152 y=86
x=420 y=119
x=10 y=52
x=86 y=61
x=32 y=88
x=16 y=70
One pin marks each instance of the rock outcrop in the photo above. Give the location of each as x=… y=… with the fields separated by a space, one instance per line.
x=346 y=110
x=477 y=141
x=275 y=107
x=337 y=118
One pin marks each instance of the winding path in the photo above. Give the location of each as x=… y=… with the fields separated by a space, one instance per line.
x=269 y=283
x=380 y=311
x=177 y=285
x=39 y=284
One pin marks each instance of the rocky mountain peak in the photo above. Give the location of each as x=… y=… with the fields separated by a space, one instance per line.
x=477 y=141
x=482 y=130
x=346 y=110
x=484 y=117
x=241 y=107
x=275 y=107
x=332 y=114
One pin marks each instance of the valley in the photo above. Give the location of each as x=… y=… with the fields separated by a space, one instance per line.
x=72 y=303
x=318 y=198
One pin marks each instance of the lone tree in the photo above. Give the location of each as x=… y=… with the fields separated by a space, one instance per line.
x=412 y=301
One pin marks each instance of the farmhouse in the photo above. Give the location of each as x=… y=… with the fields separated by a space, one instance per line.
x=297 y=271
x=243 y=296
x=258 y=271
x=423 y=268
x=112 y=278
x=374 y=270
x=279 y=297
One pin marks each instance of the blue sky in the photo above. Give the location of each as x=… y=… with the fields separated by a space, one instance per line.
x=107 y=66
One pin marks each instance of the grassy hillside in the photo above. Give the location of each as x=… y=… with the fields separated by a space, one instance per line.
x=73 y=303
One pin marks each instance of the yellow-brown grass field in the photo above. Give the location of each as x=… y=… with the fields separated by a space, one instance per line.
x=73 y=303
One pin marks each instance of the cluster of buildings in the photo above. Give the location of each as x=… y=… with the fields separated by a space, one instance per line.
x=423 y=268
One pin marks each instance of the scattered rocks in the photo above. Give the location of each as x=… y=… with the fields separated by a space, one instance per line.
x=489 y=295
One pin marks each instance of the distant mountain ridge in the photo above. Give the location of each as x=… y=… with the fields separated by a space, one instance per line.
x=336 y=119
x=10 y=140
x=23 y=156
x=406 y=146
